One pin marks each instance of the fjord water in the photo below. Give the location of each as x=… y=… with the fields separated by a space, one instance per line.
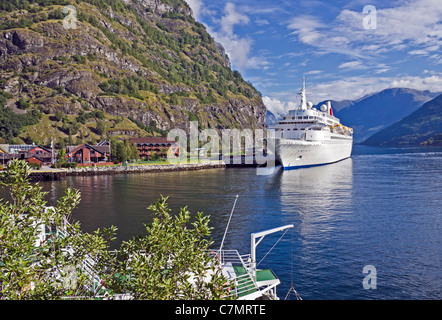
x=382 y=207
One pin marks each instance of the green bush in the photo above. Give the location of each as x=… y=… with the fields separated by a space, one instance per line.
x=71 y=165
x=34 y=165
x=11 y=124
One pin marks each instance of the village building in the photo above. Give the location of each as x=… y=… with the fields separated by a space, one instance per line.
x=86 y=153
x=149 y=146
x=6 y=157
x=16 y=148
x=81 y=154
x=39 y=154
x=35 y=160
x=31 y=153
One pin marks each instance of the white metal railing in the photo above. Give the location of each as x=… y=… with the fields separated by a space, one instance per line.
x=232 y=256
x=87 y=265
x=243 y=284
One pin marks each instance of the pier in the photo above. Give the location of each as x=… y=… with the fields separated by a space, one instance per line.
x=143 y=168
x=51 y=174
x=46 y=175
x=249 y=161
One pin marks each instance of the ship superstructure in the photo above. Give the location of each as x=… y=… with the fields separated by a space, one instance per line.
x=308 y=136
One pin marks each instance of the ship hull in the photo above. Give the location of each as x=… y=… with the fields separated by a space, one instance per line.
x=293 y=154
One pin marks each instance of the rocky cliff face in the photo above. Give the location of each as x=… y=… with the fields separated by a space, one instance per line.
x=147 y=65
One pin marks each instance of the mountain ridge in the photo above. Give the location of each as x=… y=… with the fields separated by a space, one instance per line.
x=147 y=65
x=422 y=127
x=374 y=112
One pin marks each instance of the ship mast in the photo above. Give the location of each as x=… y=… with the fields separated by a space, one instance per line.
x=303 y=105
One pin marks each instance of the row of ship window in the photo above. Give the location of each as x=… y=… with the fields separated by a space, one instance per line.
x=289 y=129
x=303 y=122
x=304 y=118
x=301 y=117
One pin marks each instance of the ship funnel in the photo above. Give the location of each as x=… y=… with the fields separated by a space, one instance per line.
x=329 y=108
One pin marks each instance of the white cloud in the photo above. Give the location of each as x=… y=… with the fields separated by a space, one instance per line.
x=383 y=70
x=418 y=52
x=196 y=6
x=436 y=58
x=275 y=106
x=262 y=22
x=306 y=27
x=432 y=83
x=352 y=88
x=356 y=87
x=237 y=48
x=413 y=25
x=231 y=18
x=425 y=51
x=353 y=65
x=313 y=72
x=257 y=62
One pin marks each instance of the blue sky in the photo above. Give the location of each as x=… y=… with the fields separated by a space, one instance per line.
x=344 y=51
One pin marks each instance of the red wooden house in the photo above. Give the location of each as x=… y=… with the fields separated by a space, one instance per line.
x=39 y=154
x=35 y=160
x=85 y=153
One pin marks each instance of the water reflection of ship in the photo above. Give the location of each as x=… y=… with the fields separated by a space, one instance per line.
x=316 y=194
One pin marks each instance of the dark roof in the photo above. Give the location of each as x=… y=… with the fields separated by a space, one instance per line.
x=44 y=148
x=103 y=148
x=152 y=140
x=36 y=157
x=9 y=156
x=71 y=149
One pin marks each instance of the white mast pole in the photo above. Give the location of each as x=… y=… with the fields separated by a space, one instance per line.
x=227 y=227
x=303 y=96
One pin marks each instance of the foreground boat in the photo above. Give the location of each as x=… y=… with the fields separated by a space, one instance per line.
x=249 y=283
x=245 y=281
x=307 y=136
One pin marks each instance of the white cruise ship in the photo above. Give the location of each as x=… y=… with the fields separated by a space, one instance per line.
x=307 y=136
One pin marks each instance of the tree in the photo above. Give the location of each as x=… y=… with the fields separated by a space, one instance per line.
x=34 y=262
x=100 y=127
x=170 y=262
x=131 y=150
x=174 y=263
x=119 y=154
x=61 y=156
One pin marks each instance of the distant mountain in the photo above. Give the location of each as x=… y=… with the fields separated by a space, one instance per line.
x=372 y=113
x=422 y=127
x=338 y=105
x=271 y=118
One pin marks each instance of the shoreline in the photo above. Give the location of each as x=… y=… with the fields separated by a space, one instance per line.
x=57 y=174
x=144 y=168
x=48 y=174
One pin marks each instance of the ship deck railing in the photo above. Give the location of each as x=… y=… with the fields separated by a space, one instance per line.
x=246 y=286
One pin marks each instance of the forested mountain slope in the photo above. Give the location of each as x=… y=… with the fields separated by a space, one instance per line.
x=127 y=68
